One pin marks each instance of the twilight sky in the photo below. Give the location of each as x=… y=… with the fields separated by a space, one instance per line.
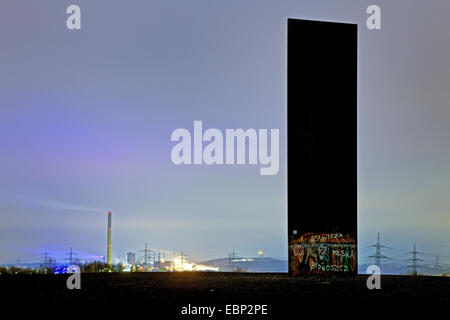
x=86 y=118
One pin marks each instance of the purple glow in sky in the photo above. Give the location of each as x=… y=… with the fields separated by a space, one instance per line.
x=86 y=117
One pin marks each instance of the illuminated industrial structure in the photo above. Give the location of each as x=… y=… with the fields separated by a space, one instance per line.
x=131 y=258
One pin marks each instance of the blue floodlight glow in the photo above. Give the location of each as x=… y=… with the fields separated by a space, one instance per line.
x=60 y=269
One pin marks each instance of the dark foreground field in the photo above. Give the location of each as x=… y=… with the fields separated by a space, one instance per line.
x=171 y=291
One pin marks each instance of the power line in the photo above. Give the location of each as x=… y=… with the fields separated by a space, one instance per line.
x=414 y=260
x=378 y=256
x=147 y=255
x=72 y=257
x=47 y=260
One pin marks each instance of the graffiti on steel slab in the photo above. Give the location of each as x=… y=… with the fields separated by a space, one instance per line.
x=315 y=253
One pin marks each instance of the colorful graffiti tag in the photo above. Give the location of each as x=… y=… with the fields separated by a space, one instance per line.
x=323 y=253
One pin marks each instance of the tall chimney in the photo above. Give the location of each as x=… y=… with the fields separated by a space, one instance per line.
x=108 y=245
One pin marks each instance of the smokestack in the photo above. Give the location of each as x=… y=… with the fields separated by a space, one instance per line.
x=108 y=245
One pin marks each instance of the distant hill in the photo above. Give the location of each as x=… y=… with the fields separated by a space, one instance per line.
x=256 y=264
x=402 y=269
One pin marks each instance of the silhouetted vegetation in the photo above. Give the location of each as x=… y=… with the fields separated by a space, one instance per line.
x=94 y=267
x=16 y=270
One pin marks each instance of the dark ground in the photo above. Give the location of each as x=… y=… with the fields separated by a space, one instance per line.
x=168 y=292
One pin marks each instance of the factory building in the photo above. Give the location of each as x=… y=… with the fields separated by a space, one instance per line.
x=131 y=258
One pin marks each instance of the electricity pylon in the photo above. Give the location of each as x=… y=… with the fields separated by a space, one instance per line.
x=378 y=256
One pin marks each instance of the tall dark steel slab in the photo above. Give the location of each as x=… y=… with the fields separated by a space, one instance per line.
x=322 y=115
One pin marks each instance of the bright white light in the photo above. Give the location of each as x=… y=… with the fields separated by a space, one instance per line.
x=189 y=266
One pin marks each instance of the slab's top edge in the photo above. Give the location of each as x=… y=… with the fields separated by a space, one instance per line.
x=293 y=20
